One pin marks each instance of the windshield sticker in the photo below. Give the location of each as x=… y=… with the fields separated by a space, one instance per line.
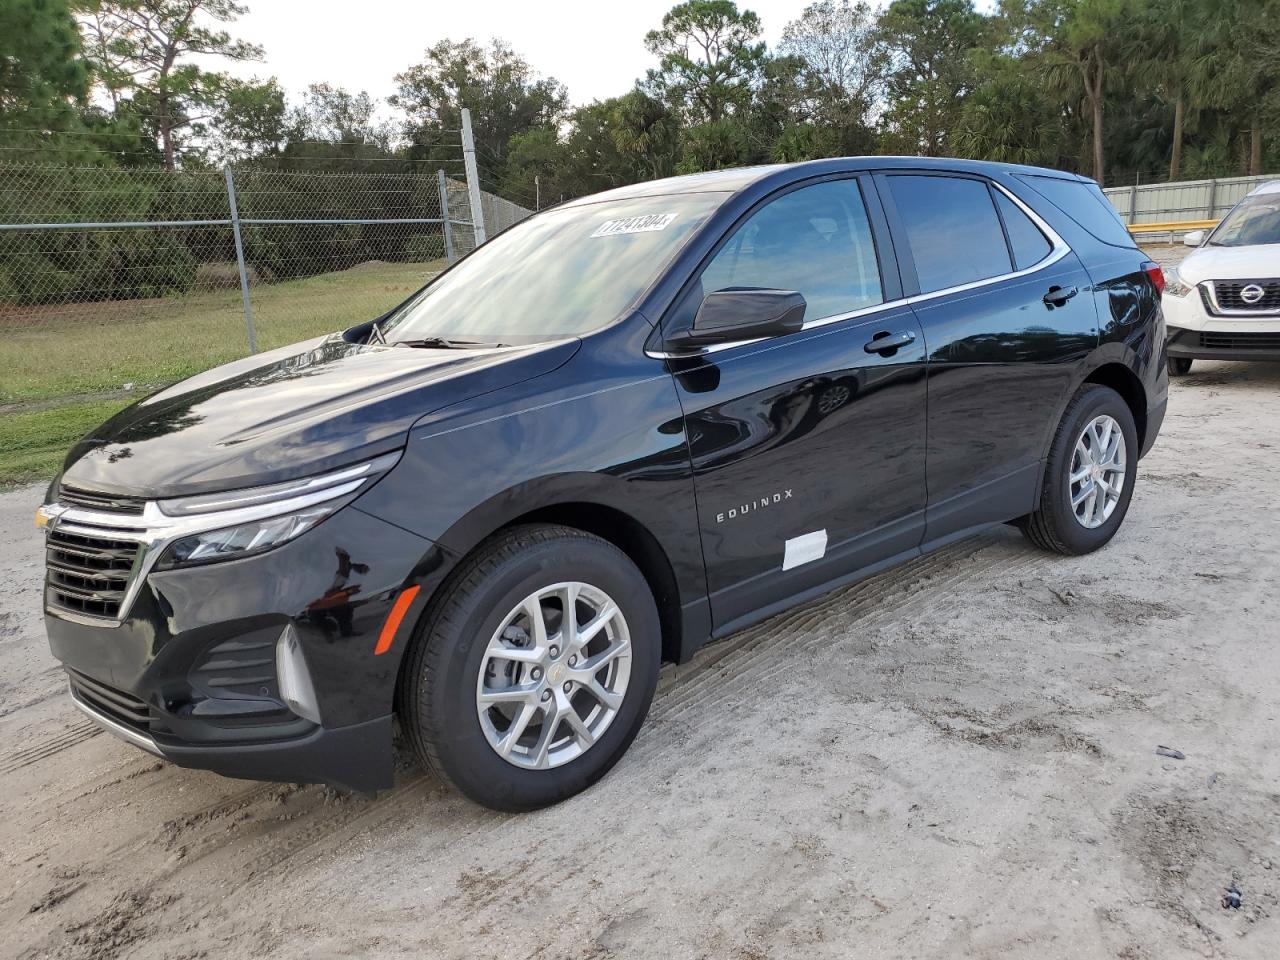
x=645 y=224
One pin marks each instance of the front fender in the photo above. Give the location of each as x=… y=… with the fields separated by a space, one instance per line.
x=606 y=429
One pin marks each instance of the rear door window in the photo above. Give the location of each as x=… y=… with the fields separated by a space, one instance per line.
x=1028 y=244
x=952 y=228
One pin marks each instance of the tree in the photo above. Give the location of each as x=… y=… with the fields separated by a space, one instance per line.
x=844 y=63
x=710 y=59
x=43 y=77
x=928 y=43
x=1241 y=71
x=1008 y=117
x=1162 y=43
x=332 y=114
x=142 y=47
x=504 y=94
x=252 y=120
x=1083 y=56
x=646 y=133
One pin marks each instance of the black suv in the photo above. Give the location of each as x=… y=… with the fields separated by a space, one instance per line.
x=627 y=425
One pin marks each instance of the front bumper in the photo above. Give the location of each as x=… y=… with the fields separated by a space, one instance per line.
x=356 y=757
x=1211 y=345
x=189 y=671
x=1194 y=332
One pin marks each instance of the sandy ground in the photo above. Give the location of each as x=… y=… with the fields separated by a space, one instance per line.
x=956 y=758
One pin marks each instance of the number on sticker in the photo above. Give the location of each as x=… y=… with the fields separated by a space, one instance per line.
x=645 y=224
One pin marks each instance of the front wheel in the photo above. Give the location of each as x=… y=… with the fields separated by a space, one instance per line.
x=530 y=678
x=1089 y=476
x=1179 y=366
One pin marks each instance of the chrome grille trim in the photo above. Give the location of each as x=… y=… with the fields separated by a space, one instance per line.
x=88 y=574
x=152 y=531
x=107 y=503
x=1224 y=300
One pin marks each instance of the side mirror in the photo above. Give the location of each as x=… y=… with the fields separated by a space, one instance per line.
x=1194 y=238
x=742 y=313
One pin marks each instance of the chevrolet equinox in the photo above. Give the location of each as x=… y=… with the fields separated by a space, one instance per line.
x=626 y=425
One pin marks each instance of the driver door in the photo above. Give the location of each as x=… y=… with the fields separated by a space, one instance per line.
x=807 y=449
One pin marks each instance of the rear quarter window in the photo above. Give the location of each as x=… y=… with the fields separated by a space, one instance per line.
x=1028 y=244
x=1084 y=203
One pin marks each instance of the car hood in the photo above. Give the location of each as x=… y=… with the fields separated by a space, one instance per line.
x=1231 y=263
x=296 y=411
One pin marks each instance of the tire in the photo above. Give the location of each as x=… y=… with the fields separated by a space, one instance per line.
x=1179 y=366
x=1055 y=524
x=484 y=613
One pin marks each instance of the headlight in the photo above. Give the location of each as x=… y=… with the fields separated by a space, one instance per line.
x=311 y=489
x=241 y=523
x=1174 y=285
x=243 y=541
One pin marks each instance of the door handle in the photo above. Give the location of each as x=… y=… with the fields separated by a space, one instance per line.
x=1057 y=296
x=885 y=342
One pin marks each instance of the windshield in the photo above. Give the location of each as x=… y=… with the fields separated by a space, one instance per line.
x=564 y=272
x=1254 y=220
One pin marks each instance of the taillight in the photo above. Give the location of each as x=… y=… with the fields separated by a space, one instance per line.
x=1156 y=274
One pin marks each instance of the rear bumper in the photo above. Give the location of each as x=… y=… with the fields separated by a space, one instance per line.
x=1155 y=420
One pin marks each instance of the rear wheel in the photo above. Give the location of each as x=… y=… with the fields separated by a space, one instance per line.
x=1088 y=479
x=532 y=676
x=1179 y=366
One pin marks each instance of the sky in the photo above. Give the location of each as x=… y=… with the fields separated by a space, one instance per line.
x=596 y=49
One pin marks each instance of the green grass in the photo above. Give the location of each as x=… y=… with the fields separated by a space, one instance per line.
x=32 y=445
x=67 y=352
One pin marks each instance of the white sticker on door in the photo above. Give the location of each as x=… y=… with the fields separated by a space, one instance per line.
x=645 y=224
x=802 y=549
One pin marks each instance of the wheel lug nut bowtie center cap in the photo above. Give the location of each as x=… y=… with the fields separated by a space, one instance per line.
x=555 y=673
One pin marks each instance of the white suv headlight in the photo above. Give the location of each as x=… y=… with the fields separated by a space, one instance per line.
x=1174 y=285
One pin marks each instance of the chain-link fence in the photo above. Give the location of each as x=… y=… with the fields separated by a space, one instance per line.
x=121 y=279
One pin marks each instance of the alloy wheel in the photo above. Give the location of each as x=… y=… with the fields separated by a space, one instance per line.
x=554 y=675
x=1096 y=480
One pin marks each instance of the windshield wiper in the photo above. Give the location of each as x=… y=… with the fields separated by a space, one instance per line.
x=375 y=333
x=444 y=343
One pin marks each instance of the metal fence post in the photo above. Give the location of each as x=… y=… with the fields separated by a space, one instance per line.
x=473 y=177
x=244 y=275
x=1133 y=200
x=444 y=218
x=1213 y=199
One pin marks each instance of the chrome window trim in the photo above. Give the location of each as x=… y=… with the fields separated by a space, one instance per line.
x=1058 y=249
x=1211 y=287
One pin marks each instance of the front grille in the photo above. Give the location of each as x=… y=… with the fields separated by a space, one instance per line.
x=75 y=497
x=1227 y=293
x=122 y=707
x=1240 y=340
x=88 y=574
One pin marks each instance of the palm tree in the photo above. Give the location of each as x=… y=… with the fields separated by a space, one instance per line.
x=1238 y=68
x=1162 y=44
x=1084 y=56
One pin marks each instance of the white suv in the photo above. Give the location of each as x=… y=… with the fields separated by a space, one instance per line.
x=1223 y=301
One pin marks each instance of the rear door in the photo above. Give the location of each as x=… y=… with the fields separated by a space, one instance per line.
x=807 y=449
x=1007 y=314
